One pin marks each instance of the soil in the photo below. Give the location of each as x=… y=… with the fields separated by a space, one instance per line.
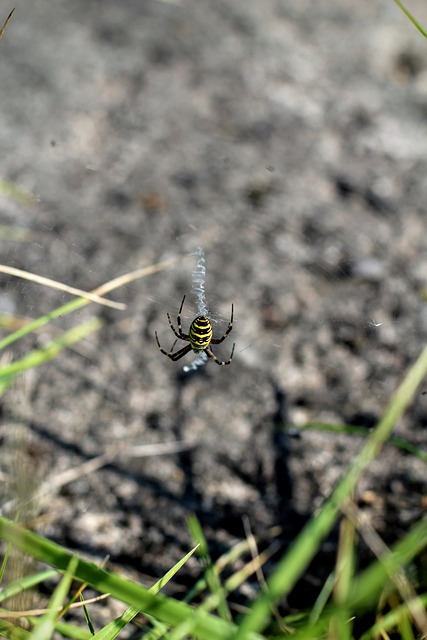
x=289 y=141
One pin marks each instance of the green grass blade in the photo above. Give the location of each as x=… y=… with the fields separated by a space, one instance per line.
x=355 y=430
x=296 y=560
x=14 y=234
x=45 y=628
x=322 y=599
x=73 y=632
x=113 y=628
x=411 y=18
x=369 y=583
x=77 y=303
x=8 y=630
x=13 y=191
x=212 y=577
x=213 y=600
x=391 y=619
x=87 y=616
x=341 y=624
x=171 y=573
x=40 y=356
x=167 y=610
x=4 y=561
x=34 y=325
x=22 y=584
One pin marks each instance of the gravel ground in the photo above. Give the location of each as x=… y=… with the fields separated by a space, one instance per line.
x=289 y=141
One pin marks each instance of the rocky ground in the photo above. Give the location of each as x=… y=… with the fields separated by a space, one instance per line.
x=289 y=141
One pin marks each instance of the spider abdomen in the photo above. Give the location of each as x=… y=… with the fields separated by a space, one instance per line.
x=200 y=333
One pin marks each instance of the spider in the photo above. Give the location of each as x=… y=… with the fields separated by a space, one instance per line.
x=200 y=337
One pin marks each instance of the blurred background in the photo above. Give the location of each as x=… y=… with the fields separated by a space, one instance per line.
x=289 y=142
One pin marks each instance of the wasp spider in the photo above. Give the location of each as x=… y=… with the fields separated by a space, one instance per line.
x=199 y=337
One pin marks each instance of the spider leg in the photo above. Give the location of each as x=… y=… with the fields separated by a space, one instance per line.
x=174 y=356
x=179 y=333
x=215 y=359
x=229 y=328
x=178 y=320
x=179 y=354
x=158 y=344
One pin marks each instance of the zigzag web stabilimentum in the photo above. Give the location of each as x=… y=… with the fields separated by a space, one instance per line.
x=198 y=289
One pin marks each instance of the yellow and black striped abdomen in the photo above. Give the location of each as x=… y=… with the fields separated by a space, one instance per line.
x=200 y=333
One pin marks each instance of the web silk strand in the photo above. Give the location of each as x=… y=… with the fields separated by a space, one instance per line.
x=198 y=288
x=198 y=277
